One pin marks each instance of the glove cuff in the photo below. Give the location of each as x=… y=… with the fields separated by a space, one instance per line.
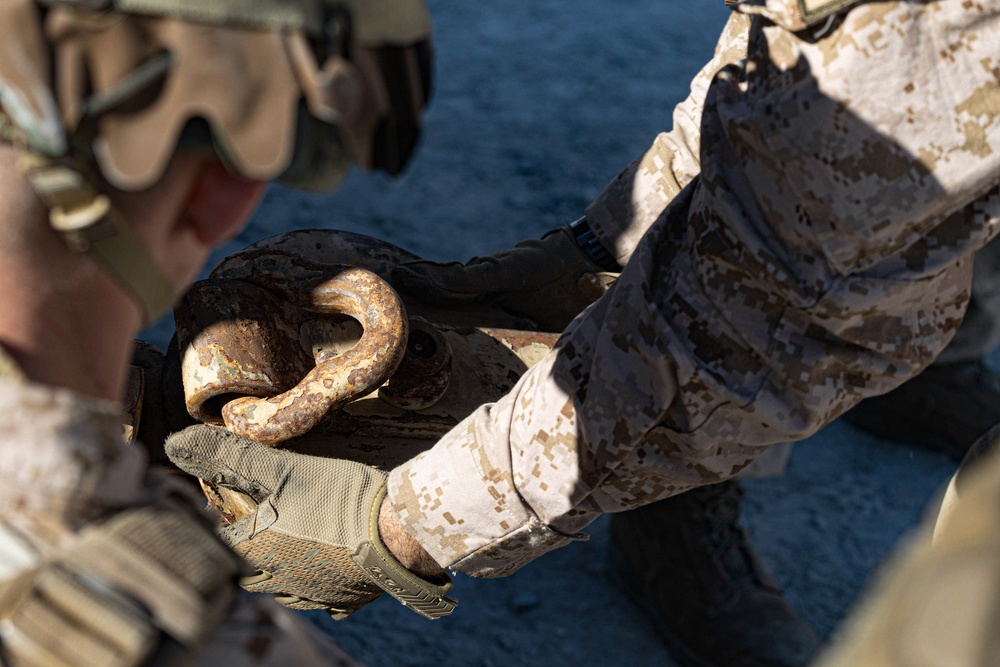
x=422 y=596
x=591 y=247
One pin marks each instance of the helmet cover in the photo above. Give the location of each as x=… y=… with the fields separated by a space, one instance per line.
x=287 y=88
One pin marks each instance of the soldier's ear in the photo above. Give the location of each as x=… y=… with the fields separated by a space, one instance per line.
x=220 y=203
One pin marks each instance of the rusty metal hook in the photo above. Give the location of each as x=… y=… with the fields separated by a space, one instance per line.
x=336 y=378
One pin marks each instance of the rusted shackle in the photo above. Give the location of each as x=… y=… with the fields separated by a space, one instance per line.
x=335 y=379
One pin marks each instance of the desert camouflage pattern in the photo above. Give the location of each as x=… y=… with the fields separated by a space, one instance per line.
x=800 y=240
x=63 y=463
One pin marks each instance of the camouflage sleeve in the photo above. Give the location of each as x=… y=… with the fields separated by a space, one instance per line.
x=848 y=173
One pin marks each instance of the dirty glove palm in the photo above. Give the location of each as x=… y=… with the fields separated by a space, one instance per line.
x=314 y=534
x=548 y=280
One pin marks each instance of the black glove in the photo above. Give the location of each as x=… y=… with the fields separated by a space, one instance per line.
x=549 y=280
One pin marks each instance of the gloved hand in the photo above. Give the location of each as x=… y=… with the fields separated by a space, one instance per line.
x=549 y=280
x=145 y=584
x=314 y=534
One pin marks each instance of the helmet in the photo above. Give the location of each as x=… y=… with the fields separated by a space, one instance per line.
x=293 y=90
x=286 y=89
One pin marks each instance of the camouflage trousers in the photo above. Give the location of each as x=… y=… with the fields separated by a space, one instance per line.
x=801 y=239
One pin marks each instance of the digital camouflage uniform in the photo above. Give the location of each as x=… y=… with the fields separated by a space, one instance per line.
x=63 y=465
x=817 y=251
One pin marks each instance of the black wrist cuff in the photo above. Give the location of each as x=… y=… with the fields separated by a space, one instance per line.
x=591 y=247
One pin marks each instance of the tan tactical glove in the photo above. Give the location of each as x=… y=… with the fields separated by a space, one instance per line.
x=314 y=535
x=550 y=280
x=145 y=585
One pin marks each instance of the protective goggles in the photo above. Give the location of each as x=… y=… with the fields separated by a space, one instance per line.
x=293 y=90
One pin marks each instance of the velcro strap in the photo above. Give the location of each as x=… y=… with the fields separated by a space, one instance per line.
x=422 y=596
x=413 y=592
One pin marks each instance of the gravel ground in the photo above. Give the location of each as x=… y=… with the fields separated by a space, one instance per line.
x=538 y=104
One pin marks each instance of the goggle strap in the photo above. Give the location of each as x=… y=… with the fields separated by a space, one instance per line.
x=333 y=91
x=146 y=75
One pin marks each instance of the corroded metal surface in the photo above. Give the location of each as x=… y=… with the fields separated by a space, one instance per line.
x=423 y=376
x=256 y=332
x=486 y=363
x=335 y=246
x=263 y=340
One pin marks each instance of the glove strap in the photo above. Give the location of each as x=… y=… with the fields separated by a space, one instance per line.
x=422 y=596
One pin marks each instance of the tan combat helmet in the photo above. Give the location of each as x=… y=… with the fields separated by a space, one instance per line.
x=293 y=90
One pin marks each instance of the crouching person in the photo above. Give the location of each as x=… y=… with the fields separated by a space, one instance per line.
x=135 y=138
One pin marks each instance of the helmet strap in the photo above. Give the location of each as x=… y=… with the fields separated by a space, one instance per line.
x=88 y=222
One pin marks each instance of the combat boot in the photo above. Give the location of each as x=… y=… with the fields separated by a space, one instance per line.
x=945 y=408
x=688 y=564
